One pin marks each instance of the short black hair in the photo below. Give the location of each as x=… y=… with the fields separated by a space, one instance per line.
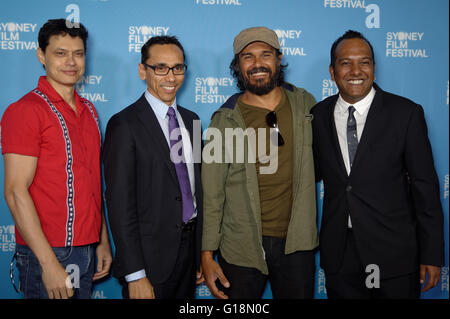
x=235 y=70
x=60 y=27
x=162 y=39
x=350 y=34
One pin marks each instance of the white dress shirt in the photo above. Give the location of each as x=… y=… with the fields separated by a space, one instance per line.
x=340 y=119
x=160 y=109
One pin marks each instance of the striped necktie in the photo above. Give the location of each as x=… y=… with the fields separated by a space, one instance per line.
x=352 y=136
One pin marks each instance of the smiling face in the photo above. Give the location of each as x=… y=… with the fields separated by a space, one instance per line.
x=259 y=65
x=64 y=60
x=354 y=69
x=163 y=87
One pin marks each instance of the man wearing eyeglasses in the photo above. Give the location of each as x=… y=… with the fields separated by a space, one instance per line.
x=153 y=186
x=263 y=225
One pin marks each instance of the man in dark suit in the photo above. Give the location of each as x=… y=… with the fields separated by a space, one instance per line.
x=382 y=226
x=153 y=186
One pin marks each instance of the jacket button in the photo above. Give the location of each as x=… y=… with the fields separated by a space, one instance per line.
x=348 y=188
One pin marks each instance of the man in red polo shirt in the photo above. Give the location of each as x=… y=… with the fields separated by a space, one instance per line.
x=51 y=145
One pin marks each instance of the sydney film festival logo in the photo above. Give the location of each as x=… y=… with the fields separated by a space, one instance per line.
x=289 y=42
x=138 y=35
x=329 y=88
x=87 y=82
x=18 y=36
x=211 y=90
x=7 y=238
x=405 y=45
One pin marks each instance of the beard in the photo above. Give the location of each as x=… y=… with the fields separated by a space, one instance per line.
x=261 y=87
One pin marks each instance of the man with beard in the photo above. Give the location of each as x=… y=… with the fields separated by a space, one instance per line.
x=262 y=222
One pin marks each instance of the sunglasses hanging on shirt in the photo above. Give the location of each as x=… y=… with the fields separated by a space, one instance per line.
x=271 y=120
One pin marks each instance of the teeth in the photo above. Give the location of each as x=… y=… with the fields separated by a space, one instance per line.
x=355 y=81
x=259 y=74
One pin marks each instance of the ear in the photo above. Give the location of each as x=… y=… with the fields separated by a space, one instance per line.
x=142 y=71
x=40 y=55
x=331 y=70
x=280 y=57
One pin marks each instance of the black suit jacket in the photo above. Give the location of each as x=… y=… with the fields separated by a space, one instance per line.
x=143 y=196
x=392 y=193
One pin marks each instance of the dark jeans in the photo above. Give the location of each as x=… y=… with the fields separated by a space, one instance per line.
x=78 y=261
x=291 y=276
x=350 y=281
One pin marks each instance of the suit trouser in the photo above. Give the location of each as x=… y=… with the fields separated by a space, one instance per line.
x=181 y=283
x=291 y=276
x=350 y=281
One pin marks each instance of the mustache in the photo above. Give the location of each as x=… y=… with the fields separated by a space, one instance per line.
x=260 y=69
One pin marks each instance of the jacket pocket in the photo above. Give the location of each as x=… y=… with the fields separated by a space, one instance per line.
x=307 y=130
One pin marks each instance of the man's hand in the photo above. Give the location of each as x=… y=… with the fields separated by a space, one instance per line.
x=434 y=273
x=200 y=277
x=104 y=259
x=141 y=289
x=57 y=281
x=212 y=272
x=19 y=174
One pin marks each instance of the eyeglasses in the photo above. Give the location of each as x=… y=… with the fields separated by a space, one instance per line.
x=162 y=69
x=271 y=119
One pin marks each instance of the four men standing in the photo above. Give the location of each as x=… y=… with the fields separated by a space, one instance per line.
x=370 y=148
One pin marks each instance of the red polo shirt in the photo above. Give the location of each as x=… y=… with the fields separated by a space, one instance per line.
x=66 y=188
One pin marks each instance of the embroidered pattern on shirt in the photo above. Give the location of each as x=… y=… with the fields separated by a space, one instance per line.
x=91 y=108
x=69 y=171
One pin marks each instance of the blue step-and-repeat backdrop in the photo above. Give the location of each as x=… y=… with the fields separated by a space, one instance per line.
x=410 y=39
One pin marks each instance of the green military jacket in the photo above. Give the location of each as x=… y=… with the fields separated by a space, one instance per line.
x=231 y=203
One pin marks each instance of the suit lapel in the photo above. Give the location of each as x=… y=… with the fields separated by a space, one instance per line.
x=188 y=121
x=374 y=121
x=151 y=124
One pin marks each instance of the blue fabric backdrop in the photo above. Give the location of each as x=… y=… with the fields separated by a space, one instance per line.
x=410 y=39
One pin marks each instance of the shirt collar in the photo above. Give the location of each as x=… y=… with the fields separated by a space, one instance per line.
x=160 y=108
x=45 y=87
x=361 y=106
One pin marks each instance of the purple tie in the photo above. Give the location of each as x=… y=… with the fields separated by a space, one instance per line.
x=181 y=169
